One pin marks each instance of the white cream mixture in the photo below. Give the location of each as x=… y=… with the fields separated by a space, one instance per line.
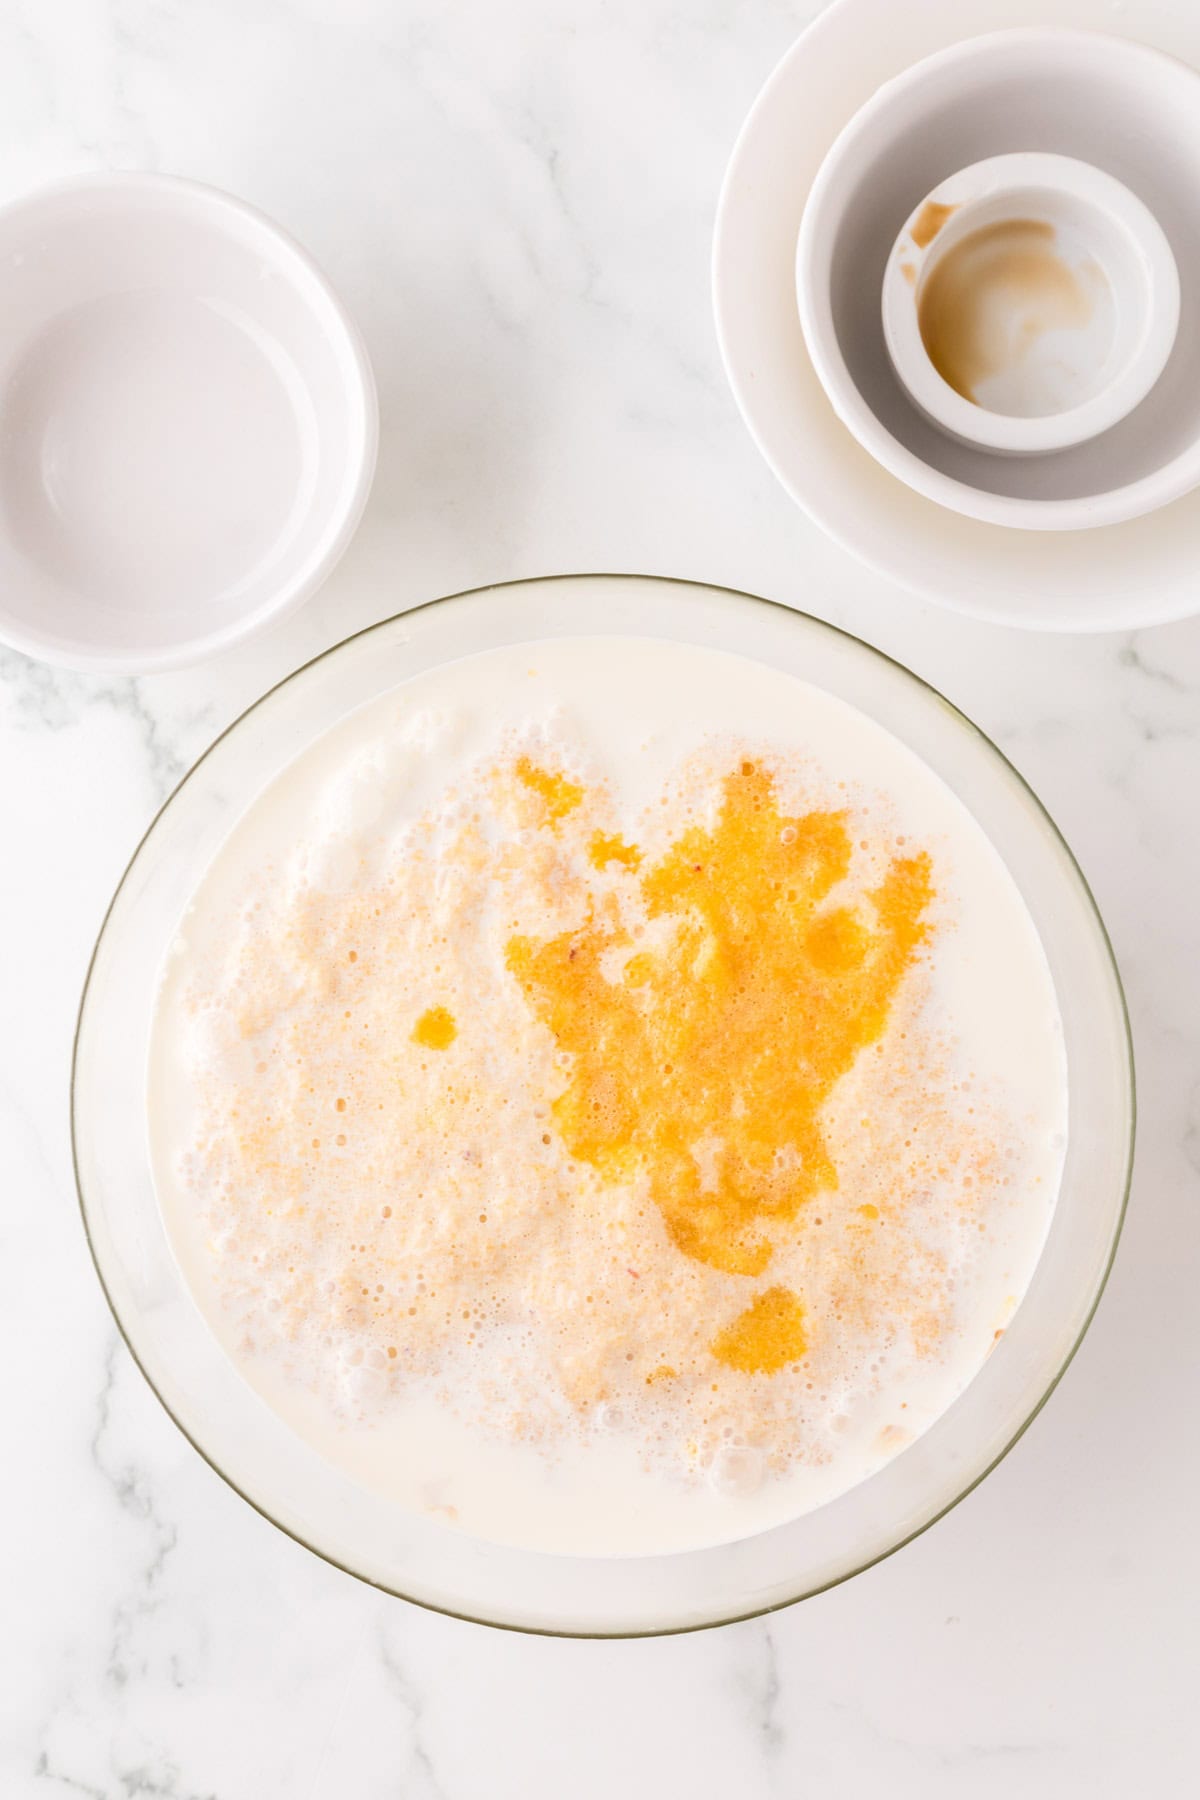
x=389 y=1233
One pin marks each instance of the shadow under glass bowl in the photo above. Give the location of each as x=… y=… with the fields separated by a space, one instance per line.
x=423 y=1559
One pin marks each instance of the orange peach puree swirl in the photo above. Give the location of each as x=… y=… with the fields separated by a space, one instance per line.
x=707 y=1062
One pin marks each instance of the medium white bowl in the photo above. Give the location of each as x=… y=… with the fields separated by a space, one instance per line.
x=1129 y=110
x=188 y=422
x=1066 y=384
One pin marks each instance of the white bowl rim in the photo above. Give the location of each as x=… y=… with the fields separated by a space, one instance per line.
x=352 y=354
x=1114 y=506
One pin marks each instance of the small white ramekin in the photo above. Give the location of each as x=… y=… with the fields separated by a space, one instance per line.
x=188 y=423
x=1124 y=243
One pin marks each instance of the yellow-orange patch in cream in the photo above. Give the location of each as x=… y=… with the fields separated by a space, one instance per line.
x=560 y=795
x=435 y=1029
x=706 y=1063
x=766 y=1337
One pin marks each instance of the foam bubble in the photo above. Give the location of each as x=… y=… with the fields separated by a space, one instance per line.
x=737 y=1469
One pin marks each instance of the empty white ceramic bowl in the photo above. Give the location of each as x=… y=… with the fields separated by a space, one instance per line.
x=188 y=422
x=1073 y=312
x=1129 y=110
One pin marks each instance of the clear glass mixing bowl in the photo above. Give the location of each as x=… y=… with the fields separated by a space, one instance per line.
x=423 y=1559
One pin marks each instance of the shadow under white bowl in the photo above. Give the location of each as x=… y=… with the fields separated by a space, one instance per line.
x=1068 y=385
x=187 y=422
x=1044 y=89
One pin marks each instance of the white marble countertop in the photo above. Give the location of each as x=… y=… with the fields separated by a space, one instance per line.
x=517 y=200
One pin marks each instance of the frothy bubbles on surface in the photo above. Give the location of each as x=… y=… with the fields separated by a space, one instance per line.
x=604 y=1130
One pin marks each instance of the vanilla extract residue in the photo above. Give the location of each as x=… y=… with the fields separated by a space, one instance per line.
x=928 y=222
x=989 y=299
